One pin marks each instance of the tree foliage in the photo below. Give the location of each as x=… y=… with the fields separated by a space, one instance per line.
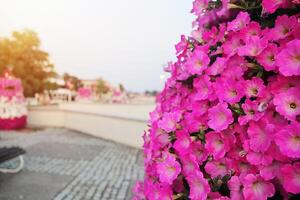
x=72 y=82
x=21 y=54
x=102 y=87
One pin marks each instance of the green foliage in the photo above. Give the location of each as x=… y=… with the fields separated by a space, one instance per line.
x=72 y=82
x=21 y=54
x=102 y=87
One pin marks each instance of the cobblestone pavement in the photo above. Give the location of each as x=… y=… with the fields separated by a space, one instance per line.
x=63 y=164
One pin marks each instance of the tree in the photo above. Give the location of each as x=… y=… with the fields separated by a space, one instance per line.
x=102 y=87
x=21 y=54
x=72 y=82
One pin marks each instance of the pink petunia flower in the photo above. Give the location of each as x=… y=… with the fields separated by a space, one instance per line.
x=220 y=117
x=203 y=88
x=255 y=188
x=252 y=29
x=288 y=103
x=284 y=26
x=182 y=45
x=259 y=158
x=283 y=83
x=254 y=87
x=199 y=6
x=271 y=171
x=253 y=47
x=168 y=169
x=158 y=191
x=189 y=164
x=199 y=151
x=194 y=123
x=236 y=188
x=288 y=140
x=261 y=135
x=198 y=62
x=183 y=142
x=291 y=180
x=271 y=6
x=199 y=187
x=169 y=121
x=217 y=67
x=216 y=145
x=251 y=112
x=216 y=168
x=267 y=57
x=232 y=44
x=138 y=191
x=239 y=22
x=228 y=90
x=288 y=60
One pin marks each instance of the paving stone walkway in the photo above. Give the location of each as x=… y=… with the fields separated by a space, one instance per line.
x=61 y=164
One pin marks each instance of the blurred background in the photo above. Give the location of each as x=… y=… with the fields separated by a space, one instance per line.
x=78 y=79
x=120 y=41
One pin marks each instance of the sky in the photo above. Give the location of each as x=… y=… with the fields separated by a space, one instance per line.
x=122 y=41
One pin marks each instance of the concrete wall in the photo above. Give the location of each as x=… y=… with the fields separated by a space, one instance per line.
x=120 y=123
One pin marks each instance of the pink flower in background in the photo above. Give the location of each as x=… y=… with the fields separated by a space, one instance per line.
x=253 y=47
x=169 y=121
x=255 y=188
x=288 y=140
x=271 y=6
x=168 y=169
x=284 y=26
x=261 y=135
x=183 y=142
x=254 y=87
x=220 y=117
x=288 y=60
x=291 y=180
x=267 y=57
x=236 y=188
x=216 y=145
x=250 y=109
x=240 y=22
x=198 y=62
x=288 y=103
x=199 y=187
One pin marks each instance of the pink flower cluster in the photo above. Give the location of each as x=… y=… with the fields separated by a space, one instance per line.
x=10 y=87
x=84 y=93
x=226 y=125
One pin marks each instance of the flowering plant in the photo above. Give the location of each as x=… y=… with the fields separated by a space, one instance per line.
x=226 y=125
x=13 y=111
x=84 y=94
